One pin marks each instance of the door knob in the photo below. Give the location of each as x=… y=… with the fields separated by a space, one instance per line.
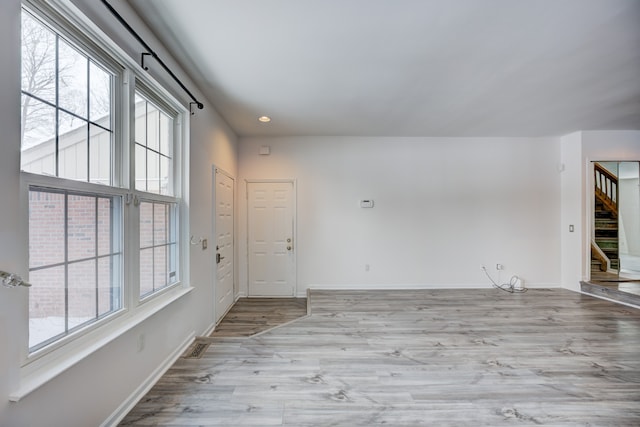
x=288 y=248
x=218 y=258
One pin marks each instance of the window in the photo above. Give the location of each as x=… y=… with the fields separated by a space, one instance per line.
x=66 y=108
x=158 y=246
x=154 y=147
x=74 y=262
x=154 y=128
x=88 y=182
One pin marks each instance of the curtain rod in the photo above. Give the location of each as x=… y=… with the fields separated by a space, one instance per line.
x=151 y=53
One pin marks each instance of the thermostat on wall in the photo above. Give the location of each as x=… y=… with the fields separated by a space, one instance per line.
x=366 y=203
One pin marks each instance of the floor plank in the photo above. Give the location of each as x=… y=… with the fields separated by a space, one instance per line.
x=407 y=358
x=250 y=316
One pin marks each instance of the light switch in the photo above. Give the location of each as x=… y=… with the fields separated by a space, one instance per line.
x=366 y=203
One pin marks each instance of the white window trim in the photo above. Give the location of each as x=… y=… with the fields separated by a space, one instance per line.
x=45 y=364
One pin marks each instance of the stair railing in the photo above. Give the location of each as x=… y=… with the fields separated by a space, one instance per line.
x=606 y=187
x=603 y=259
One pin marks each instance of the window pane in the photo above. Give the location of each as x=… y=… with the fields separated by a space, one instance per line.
x=160 y=219
x=104 y=226
x=173 y=231
x=173 y=263
x=38 y=137
x=82 y=292
x=146 y=225
x=46 y=305
x=46 y=228
x=100 y=156
x=72 y=147
x=141 y=168
x=38 y=59
x=109 y=298
x=146 y=271
x=81 y=227
x=160 y=267
x=165 y=176
x=154 y=152
x=141 y=120
x=153 y=127
x=166 y=135
x=99 y=96
x=72 y=79
x=153 y=172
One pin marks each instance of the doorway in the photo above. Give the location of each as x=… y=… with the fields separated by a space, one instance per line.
x=271 y=238
x=224 y=187
x=615 y=220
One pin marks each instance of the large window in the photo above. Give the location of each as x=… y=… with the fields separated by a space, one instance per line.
x=88 y=181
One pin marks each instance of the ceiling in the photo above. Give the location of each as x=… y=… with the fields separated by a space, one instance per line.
x=409 y=67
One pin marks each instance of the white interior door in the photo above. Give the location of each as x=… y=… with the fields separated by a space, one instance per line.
x=224 y=265
x=271 y=239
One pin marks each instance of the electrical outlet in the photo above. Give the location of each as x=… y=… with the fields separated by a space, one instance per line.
x=499 y=267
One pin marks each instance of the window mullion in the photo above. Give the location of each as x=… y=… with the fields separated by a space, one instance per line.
x=153 y=244
x=88 y=120
x=66 y=262
x=57 y=100
x=97 y=263
x=146 y=145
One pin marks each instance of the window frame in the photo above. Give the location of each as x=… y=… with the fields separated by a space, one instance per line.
x=40 y=365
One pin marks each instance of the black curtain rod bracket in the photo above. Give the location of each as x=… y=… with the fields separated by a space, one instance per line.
x=197 y=104
x=150 y=52
x=142 y=55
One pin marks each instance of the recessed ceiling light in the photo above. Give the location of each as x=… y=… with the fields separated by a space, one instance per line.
x=264 y=119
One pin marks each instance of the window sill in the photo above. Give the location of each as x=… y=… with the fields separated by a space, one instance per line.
x=40 y=371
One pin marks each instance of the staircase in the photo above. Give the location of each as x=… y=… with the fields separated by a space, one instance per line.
x=605 y=220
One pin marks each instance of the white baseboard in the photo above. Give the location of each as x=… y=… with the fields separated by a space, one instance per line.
x=126 y=406
x=413 y=286
x=209 y=330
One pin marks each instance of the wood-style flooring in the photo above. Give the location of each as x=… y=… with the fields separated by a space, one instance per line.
x=250 y=316
x=416 y=358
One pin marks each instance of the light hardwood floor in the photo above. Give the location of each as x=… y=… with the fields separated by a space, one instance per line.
x=250 y=316
x=410 y=358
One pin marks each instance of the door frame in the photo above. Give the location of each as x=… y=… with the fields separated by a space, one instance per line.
x=214 y=234
x=294 y=213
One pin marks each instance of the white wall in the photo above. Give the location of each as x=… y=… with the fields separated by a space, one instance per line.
x=578 y=151
x=442 y=208
x=88 y=393
x=572 y=210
